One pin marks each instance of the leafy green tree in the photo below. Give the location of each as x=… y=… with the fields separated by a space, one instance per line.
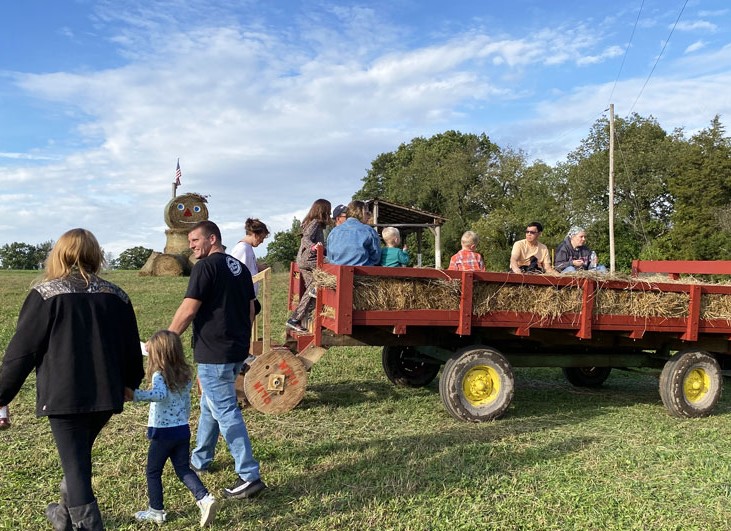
x=284 y=245
x=18 y=255
x=133 y=258
x=439 y=174
x=513 y=194
x=701 y=187
x=645 y=156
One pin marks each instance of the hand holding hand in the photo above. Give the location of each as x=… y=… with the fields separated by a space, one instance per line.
x=129 y=394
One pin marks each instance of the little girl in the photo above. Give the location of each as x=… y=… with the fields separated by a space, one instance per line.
x=168 y=429
x=4 y=418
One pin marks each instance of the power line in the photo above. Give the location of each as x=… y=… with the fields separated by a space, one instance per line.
x=658 y=57
x=626 y=50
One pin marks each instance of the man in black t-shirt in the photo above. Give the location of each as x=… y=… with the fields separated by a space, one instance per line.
x=220 y=304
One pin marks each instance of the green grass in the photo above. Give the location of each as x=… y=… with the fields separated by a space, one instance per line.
x=359 y=453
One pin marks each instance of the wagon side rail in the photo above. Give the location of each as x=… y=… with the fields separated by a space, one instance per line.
x=461 y=320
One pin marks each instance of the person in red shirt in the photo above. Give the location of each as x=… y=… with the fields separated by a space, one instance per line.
x=467 y=259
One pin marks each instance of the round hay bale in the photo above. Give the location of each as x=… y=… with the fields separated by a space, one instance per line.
x=146 y=269
x=169 y=265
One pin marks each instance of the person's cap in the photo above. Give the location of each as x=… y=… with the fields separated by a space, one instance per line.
x=339 y=211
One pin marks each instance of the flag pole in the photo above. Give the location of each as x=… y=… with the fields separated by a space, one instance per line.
x=176 y=182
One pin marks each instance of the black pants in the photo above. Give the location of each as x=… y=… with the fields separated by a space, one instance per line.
x=74 y=436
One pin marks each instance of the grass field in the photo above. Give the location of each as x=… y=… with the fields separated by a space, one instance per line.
x=359 y=453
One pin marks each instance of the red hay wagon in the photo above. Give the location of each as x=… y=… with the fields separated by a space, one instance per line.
x=476 y=351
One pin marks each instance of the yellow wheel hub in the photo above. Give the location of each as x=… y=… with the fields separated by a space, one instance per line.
x=696 y=385
x=481 y=385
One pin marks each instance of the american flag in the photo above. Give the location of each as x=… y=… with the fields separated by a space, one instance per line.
x=178 y=174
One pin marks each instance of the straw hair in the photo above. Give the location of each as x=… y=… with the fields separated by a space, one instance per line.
x=470 y=238
x=76 y=251
x=166 y=356
x=391 y=236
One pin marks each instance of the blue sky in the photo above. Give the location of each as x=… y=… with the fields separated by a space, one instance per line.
x=272 y=104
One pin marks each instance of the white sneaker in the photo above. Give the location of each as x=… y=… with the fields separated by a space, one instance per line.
x=208 y=506
x=151 y=515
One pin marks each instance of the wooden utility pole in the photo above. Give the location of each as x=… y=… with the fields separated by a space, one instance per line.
x=611 y=188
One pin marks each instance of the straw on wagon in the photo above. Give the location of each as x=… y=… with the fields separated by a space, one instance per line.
x=640 y=298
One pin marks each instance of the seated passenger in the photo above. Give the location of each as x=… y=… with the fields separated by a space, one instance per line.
x=467 y=259
x=353 y=242
x=573 y=254
x=391 y=255
x=529 y=255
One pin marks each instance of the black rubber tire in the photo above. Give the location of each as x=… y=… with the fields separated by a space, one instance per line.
x=587 y=376
x=404 y=368
x=691 y=384
x=477 y=384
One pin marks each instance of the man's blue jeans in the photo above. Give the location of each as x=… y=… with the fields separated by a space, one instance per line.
x=220 y=413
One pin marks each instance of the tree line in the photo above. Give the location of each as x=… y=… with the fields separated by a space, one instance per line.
x=672 y=195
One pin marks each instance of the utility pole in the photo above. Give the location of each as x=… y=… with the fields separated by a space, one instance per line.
x=611 y=189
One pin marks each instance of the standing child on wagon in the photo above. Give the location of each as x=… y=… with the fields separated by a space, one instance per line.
x=168 y=428
x=391 y=255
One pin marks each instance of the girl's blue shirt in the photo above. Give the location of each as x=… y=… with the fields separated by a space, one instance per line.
x=169 y=410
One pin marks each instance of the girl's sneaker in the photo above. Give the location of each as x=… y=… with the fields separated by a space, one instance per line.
x=151 y=515
x=4 y=418
x=208 y=506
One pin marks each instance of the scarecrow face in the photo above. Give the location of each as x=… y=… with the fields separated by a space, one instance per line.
x=186 y=210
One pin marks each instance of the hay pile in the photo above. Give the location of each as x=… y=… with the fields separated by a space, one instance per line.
x=715 y=306
x=641 y=303
x=546 y=302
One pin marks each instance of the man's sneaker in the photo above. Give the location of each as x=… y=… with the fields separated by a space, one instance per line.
x=151 y=515
x=244 y=489
x=295 y=325
x=208 y=506
x=199 y=471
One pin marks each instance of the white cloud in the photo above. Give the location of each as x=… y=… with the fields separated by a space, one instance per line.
x=696 y=25
x=697 y=45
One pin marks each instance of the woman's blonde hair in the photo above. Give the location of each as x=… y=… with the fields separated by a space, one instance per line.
x=165 y=354
x=358 y=210
x=77 y=250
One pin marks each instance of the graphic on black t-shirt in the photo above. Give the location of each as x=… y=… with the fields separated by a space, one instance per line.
x=234 y=265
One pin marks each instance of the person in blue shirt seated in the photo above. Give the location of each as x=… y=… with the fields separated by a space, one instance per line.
x=391 y=255
x=353 y=242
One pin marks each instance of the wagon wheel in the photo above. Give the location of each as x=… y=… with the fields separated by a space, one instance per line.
x=275 y=382
x=477 y=384
x=587 y=376
x=691 y=384
x=404 y=366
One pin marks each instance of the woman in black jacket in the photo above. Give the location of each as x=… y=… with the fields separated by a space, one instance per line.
x=79 y=333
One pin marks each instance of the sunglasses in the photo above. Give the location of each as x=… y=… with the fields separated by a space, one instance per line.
x=531 y=232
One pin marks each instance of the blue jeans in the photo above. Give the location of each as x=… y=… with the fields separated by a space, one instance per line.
x=177 y=450
x=220 y=413
x=599 y=269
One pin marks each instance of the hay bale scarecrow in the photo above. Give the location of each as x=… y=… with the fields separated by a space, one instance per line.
x=181 y=213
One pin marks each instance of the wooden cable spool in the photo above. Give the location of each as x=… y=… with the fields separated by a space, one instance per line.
x=275 y=381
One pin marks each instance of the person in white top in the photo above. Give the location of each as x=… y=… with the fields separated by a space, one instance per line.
x=256 y=233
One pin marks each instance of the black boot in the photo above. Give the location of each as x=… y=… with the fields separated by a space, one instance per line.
x=58 y=513
x=87 y=517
